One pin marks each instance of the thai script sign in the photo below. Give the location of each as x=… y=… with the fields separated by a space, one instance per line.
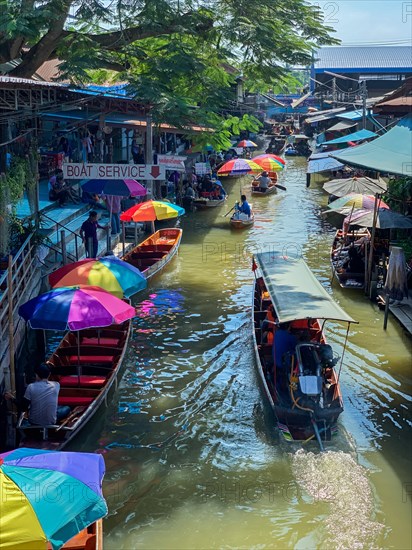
x=78 y=171
x=172 y=162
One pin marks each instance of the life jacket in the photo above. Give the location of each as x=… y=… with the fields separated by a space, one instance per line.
x=269 y=315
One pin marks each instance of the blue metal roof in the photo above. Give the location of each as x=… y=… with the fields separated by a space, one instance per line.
x=355 y=136
x=379 y=59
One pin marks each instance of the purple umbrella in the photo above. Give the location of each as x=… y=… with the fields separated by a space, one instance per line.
x=116 y=187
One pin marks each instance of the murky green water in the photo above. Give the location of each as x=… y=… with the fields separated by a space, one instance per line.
x=193 y=459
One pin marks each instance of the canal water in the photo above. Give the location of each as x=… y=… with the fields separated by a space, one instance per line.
x=193 y=458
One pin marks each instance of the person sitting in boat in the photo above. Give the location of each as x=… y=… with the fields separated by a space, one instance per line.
x=267 y=325
x=40 y=399
x=353 y=263
x=264 y=182
x=244 y=207
x=284 y=346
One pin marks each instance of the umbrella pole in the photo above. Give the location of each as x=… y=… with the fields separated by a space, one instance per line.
x=108 y=237
x=78 y=358
x=135 y=233
x=153 y=227
x=370 y=260
x=123 y=239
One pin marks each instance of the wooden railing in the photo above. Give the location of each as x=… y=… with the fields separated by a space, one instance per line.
x=15 y=288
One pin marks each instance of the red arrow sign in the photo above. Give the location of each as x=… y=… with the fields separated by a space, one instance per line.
x=155 y=171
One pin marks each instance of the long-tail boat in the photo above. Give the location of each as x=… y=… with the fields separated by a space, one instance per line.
x=295 y=363
x=242 y=221
x=153 y=254
x=85 y=364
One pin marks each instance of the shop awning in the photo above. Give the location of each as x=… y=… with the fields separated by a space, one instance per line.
x=390 y=153
x=294 y=290
x=324 y=115
x=323 y=165
x=355 y=136
x=352 y=115
x=342 y=125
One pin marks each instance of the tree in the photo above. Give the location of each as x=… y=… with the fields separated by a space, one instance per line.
x=261 y=35
x=173 y=54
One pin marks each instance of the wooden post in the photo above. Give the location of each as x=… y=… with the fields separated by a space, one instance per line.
x=63 y=245
x=12 y=378
x=385 y=319
x=370 y=260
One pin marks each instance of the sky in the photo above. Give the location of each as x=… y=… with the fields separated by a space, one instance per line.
x=369 y=22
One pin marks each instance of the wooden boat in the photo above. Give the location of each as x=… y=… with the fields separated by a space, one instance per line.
x=295 y=364
x=90 y=538
x=153 y=254
x=203 y=203
x=241 y=222
x=255 y=189
x=339 y=253
x=277 y=145
x=85 y=364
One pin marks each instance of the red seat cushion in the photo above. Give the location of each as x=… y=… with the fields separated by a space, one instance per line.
x=74 y=401
x=86 y=381
x=102 y=341
x=86 y=359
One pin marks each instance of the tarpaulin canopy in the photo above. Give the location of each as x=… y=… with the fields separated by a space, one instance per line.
x=389 y=153
x=294 y=290
x=323 y=165
x=352 y=115
x=355 y=136
x=342 y=125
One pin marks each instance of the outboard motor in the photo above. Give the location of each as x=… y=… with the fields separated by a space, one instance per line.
x=309 y=370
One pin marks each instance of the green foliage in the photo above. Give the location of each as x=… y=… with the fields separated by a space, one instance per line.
x=399 y=194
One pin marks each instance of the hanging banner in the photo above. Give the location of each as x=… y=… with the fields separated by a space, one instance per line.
x=172 y=162
x=79 y=171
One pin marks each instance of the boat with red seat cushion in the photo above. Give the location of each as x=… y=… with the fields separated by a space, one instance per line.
x=153 y=254
x=85 y=364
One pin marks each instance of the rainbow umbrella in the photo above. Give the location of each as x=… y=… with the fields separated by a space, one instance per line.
x=116 y=187
x=271 y=156
x=246 y=143
x=75 y=308
x=238 y=167
x=150 y=211
x=48 y=496
x=357 y=200
x=114 y=275
x=269 y=164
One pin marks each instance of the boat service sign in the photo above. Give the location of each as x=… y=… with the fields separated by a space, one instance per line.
x=172 y=162
x=78 y=170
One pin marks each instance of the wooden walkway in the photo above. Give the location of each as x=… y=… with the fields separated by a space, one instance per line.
x=403 y=312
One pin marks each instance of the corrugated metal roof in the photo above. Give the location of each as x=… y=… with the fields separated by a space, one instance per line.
x=30 y=82
x=342 y=125
x=364 y=57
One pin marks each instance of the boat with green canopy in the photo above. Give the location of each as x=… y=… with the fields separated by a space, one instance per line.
x=295 y=363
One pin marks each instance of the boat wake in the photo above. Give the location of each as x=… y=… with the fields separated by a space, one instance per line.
x=337 y=479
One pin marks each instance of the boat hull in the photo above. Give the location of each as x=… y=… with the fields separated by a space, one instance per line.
x=204 y=204
x=153 y=254
x=294 y=423
x=258 y=193
x=242 y=224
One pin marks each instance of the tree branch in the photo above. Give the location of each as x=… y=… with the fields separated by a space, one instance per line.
x=42 y=51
